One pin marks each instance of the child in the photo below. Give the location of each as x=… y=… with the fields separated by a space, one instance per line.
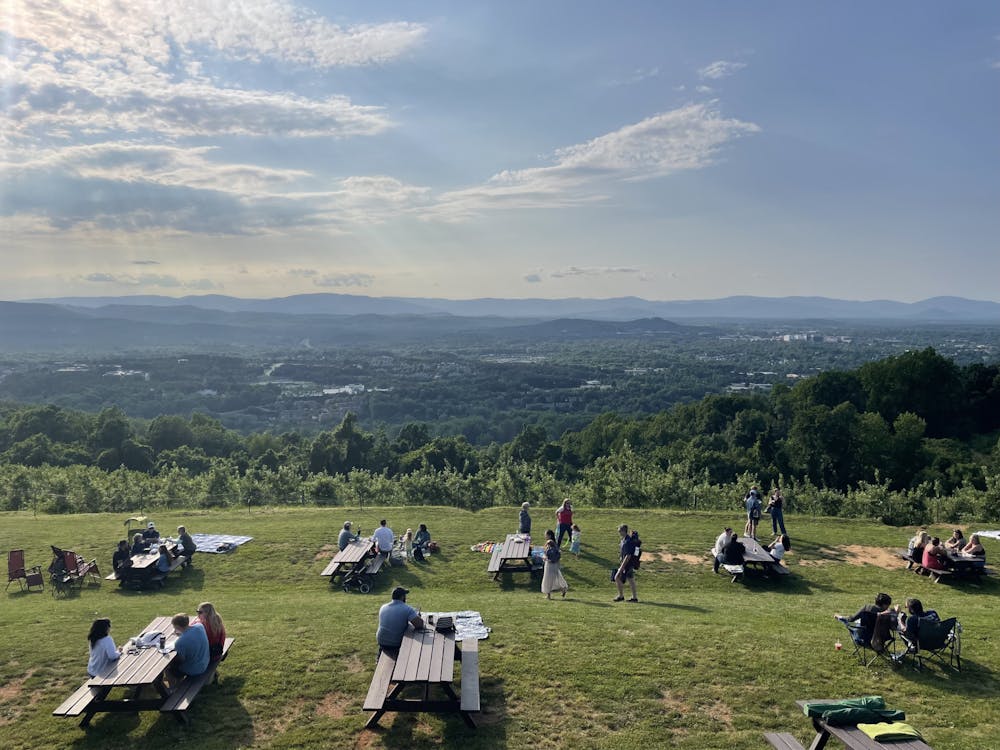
x=408 y=543
x=574 y=540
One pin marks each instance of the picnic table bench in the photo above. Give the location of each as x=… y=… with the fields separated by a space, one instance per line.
x=426 y=659
x=512 y=556
x=138 y=670
x=355 y=565
x=852 y=737
x=754 y=556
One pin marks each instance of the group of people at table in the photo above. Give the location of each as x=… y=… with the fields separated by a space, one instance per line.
x=199 y=643
x=930 y=554
x=879 y=620
x=729 y=550
x=147 y=542
x=416 y=546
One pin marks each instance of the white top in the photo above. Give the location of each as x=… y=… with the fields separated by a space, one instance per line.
x=720 y=543
x=102 y=654
x=383 y=538
x=778 y=550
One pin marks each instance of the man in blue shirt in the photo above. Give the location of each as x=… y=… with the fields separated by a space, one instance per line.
x=393 y=620
x=626 y=570
x=190 y=648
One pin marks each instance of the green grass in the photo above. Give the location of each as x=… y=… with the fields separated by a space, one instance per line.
x=699 y=663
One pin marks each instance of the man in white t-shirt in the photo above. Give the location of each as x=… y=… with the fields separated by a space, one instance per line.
x=720 y=543
x=384 y=538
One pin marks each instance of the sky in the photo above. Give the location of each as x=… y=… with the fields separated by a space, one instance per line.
x=524 y=148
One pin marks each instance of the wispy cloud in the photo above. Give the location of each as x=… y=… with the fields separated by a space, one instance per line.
x=345 y=280
x=593 y=271
x=145 y=262
x=165 y=281
x=720 y=69
x=636 y=76
x=681 y=139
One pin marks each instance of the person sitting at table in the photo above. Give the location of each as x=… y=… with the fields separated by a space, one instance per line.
x=956 y=542
x=779 y=547
x=874 y=621
x=121 y=561
x=139 y=545
x=187 y=543
x=974 y=547
x=935 y=557
x=916 y=547
x=394 y=618
x=150 y=532
x=732 y=553
x=720 y=544
x=165 y=559
x=346 y=536
x=190 y=649
x=215 y=630
x=384 y=539
x=103 y=651
x=421 y=542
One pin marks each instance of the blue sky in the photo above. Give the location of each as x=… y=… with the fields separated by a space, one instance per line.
x=507 y=149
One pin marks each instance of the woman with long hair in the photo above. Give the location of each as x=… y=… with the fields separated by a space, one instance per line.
x=214 y=629
x=103 y=651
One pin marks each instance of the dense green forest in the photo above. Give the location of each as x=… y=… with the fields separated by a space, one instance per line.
x=905 y=439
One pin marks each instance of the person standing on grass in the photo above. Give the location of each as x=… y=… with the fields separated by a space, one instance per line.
x=626 y=570
x=775 y=506
x=524 y=520
x=574 y=540
x=552 y=577
x=564 y=517
x=753 y=505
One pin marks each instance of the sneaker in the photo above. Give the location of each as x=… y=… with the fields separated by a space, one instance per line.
x=633 y=599
x=618 y=599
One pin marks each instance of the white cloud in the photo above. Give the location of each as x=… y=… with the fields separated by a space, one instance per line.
x=148 y=280
x=681 y=139
x=145 y=262
x=720 y=69
x=636 y=76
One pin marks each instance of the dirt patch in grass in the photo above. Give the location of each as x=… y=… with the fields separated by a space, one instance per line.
x=719 y=711
x=680 y=557
x=333 y=705
x=674 y=703
x=12 y=690
x=854 y=554
x=268 y=729
x=353 y=664
x=325 y=552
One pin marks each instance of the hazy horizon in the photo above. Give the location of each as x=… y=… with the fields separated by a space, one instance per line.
x=666 y=151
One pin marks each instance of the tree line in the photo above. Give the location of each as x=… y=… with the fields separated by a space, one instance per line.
x=907 y=439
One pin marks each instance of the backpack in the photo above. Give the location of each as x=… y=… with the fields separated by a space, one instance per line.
x=638 y=549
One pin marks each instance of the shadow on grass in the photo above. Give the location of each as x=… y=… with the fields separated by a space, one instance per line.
x=188 y=579
x=934 y=674
x=668 y=605
x=217 y=720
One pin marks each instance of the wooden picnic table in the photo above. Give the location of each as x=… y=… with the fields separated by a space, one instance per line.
x=356 y=564
x=852 y=737
x=426 y=659
x=513 y=556
x=759 y=557
x=139 y=670
x=143 y=570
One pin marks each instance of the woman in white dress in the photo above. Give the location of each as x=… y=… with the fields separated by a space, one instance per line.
x=552 y=577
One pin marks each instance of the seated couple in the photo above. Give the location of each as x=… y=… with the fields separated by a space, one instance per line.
x=877 y=622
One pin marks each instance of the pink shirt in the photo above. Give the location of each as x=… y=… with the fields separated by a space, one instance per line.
x=564 y=515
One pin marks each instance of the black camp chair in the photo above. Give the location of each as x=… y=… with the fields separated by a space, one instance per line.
x=861 y=637
x=937 y=640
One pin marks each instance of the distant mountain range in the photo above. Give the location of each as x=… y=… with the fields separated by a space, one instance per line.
x=935 y=309
x=106 y=324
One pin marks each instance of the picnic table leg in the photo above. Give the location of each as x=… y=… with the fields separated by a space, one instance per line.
x=465 y=714
x=820 y=740
x=89 y=713
x=373 y=721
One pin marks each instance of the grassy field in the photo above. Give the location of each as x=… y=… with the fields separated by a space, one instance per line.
x=698 y=663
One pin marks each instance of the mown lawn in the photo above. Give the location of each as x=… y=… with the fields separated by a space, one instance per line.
x=698 y=663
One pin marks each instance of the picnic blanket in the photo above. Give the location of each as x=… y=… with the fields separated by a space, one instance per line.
x=217 y=543
x=990 y=534
x=468 y=624
x=486 y=547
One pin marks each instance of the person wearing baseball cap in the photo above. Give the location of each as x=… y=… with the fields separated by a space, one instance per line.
x=393 y=619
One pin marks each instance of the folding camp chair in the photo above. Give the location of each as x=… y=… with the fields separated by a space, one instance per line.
x=25 y=577
x=863 y=651
x=937 y=640
x=59 y=577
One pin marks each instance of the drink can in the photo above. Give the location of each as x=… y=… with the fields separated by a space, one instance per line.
x=163 y=641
